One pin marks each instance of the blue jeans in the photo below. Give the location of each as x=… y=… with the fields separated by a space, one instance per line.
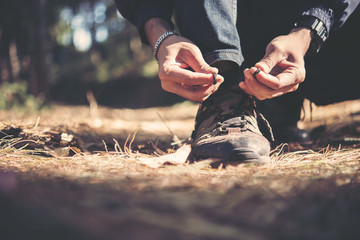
x=211 y=25
x=239 y=31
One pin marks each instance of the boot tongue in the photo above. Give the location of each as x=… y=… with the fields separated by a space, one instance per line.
x=231 y=98
x=228 y=102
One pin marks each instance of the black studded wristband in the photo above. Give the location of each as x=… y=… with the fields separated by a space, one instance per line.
x=319 y=30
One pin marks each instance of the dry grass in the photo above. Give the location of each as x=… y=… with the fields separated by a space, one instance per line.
x=112 y=193
x=291 y=170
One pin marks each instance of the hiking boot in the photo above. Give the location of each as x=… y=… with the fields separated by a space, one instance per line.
x=227 y=131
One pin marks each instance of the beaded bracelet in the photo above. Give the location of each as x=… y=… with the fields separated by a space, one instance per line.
x=160 y=40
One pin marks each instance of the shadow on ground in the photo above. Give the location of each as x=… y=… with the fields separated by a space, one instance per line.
x=59 y=209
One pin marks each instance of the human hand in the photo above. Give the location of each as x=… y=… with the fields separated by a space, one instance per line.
x=282 y=68
x=183 y=71
x=182 y=68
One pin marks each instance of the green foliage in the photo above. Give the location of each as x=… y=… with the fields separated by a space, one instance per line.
x=150 y=69
x=15 y=96
x=122 y=53
x=45 y=43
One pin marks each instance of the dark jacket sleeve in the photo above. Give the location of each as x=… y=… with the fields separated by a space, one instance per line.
x=139 y=11
x=333 y=13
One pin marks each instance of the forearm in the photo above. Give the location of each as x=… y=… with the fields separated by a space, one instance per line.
x=154 y=28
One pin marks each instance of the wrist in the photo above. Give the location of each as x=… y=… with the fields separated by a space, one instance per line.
x=154 y=28
x=305 y=36
x=318 y=29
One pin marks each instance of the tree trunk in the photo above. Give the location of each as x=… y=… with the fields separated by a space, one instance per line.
x=38 y=49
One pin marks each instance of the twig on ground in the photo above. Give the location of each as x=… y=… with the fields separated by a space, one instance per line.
x=106 y=149
x=117 y=147
x=176 y=140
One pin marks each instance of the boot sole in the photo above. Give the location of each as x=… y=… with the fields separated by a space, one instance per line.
x=239 y=156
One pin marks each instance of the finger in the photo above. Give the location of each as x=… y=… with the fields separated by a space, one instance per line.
x=185 y=76
x=195 y=60
x=271 y=93
x=261 y=91
x=182 y=65
x=293 y=73
x=202 y=92
x=290 y=75
x=242 y=85
x=188 y=77
x=254 y=87
x=266 y=79
x=269 y=61
x=194 y=93
x=284 y=90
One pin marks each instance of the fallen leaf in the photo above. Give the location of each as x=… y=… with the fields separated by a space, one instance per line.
x=176 y=158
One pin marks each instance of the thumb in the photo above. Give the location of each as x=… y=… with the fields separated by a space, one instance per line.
x=268 y=62
x=198 y=64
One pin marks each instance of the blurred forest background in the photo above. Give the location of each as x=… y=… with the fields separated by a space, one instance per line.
x=60 y=51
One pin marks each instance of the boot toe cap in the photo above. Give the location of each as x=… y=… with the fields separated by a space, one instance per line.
x=244 y=147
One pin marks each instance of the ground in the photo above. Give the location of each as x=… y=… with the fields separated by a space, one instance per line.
x=98 y=173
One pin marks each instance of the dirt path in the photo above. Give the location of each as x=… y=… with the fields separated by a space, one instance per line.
x=59 y=181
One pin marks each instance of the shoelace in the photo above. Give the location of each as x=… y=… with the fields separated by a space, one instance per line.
x=238 y=123
x=267 y=125
x=265 y=121
x=243 y=121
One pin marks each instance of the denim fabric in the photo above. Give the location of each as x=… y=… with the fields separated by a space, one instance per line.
x=224 y=29
x=211 y=25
